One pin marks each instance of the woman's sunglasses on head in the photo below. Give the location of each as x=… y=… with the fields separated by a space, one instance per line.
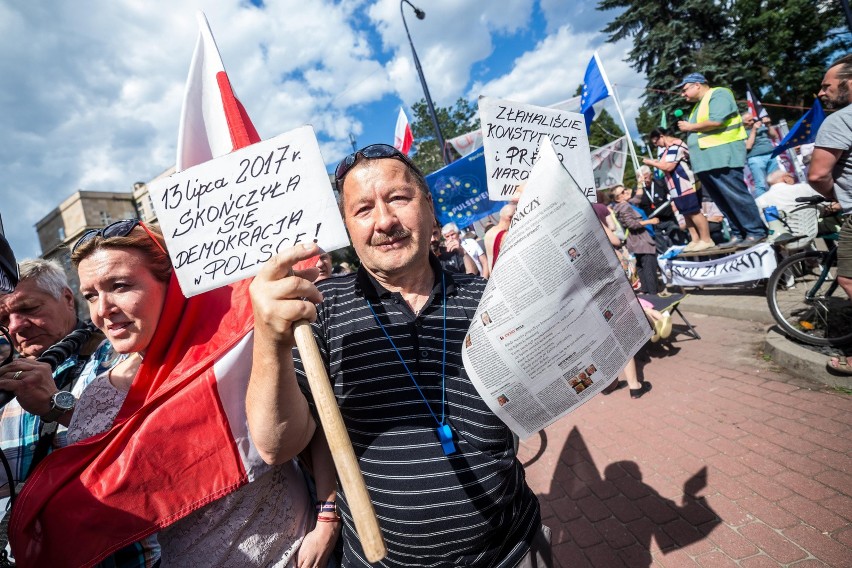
x=118 y=229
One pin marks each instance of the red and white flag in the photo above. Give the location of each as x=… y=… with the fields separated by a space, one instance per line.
x=213 y=122
x=755 y=108
x=180 y=440
x=402 y=137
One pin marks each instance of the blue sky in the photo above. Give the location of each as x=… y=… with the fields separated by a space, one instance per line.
x=92 y=90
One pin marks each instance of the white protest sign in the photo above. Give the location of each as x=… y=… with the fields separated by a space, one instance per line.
x=755 y=263
x=222 y=219
x=608 y=163
x=511 y=135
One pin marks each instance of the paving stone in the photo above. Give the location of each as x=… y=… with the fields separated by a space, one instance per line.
x=715 y=560
x=675 y=559
x=772 y=543
x=568 y=555
x=804 y=486
x=615 y=533
x=635 y=555
x=769 y=513
x=813 y=514
x=603 y=555
x=593 y=509
x=823 y=547
x=583 y=533
x=732 y=543
x=759 y=561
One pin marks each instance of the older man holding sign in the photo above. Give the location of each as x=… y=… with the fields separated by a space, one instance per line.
x=440 y=466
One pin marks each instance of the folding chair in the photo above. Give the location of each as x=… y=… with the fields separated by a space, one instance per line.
x=670 y=304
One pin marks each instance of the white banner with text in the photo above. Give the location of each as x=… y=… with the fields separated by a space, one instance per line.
x=749 y=265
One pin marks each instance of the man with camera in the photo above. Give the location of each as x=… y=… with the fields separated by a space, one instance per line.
x=39 y=315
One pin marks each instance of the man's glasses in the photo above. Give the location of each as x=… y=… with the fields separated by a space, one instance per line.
x=118 y=229
x=372 y=151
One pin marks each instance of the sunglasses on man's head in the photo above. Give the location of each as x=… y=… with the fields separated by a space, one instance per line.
x=370 y=152
x=118 y=229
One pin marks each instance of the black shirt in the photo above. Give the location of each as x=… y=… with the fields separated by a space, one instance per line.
x=452 y=262
x=471 y=508
x=654 y=196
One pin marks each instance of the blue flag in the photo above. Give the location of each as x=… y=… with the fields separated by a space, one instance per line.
x=804 y=131
x=460 y=191
x=594 y=90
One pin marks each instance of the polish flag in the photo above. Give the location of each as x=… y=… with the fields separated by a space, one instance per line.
x=402 y=137
x=180 y=440
x=213 y=122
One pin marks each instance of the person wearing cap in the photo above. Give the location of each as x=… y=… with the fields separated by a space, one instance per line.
x=717 y=141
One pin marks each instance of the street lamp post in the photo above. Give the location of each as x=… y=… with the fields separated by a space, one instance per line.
x=440 y=137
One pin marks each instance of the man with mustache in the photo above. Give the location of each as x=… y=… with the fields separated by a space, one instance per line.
x=440 y=467
x=830 y=173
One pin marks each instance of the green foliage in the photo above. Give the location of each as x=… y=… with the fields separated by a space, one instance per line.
x=454 y=121
x=779 y=47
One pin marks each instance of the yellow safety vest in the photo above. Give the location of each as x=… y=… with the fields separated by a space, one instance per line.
x=731 y=130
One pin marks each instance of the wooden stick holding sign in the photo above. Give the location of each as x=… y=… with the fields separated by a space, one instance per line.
x=341 y=447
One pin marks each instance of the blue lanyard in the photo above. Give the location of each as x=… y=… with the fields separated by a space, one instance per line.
x=445 y=434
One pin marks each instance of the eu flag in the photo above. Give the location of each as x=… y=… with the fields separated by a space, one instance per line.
x=804 y=131
x=460 y=191
x=594 y=89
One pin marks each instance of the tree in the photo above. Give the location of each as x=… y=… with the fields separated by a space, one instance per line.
x=454 y=121
x=780 y=47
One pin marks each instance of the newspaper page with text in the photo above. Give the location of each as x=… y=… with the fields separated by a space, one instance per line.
x=558 y=319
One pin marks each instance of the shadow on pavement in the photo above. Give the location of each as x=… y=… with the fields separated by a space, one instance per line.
x=625 y=511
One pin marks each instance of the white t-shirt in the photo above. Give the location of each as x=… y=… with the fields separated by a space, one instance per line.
x=783 y=196
x=836 y=134
x=472 y=248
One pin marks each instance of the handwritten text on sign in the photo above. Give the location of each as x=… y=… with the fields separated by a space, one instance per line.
x=511 y=135
x=755 y=263
x=224 y=218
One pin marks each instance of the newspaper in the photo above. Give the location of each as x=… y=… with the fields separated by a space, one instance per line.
x=558 y=319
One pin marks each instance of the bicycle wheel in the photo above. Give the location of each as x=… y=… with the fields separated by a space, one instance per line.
x=806 y=301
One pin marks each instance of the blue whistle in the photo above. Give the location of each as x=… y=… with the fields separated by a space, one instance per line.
x=446 y=437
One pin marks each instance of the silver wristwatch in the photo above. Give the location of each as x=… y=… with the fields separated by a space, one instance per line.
x=60 y=403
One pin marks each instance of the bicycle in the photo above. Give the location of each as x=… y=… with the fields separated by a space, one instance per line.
x=804 y=296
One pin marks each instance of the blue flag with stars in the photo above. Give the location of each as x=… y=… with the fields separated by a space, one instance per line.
x=804 y=131
x=460 y=191
x=594 y=90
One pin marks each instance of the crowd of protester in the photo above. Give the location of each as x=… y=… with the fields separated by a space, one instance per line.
x=130 y=461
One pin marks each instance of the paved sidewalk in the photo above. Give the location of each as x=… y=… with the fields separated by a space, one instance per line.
x=726 y=462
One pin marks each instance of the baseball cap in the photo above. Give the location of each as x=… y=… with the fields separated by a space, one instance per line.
x=692 y=78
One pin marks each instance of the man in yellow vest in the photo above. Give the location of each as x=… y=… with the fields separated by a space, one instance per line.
x=717 y=148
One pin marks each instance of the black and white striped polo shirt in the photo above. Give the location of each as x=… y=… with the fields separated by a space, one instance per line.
x=472 y=508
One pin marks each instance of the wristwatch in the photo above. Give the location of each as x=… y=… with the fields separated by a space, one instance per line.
x=60 y=403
